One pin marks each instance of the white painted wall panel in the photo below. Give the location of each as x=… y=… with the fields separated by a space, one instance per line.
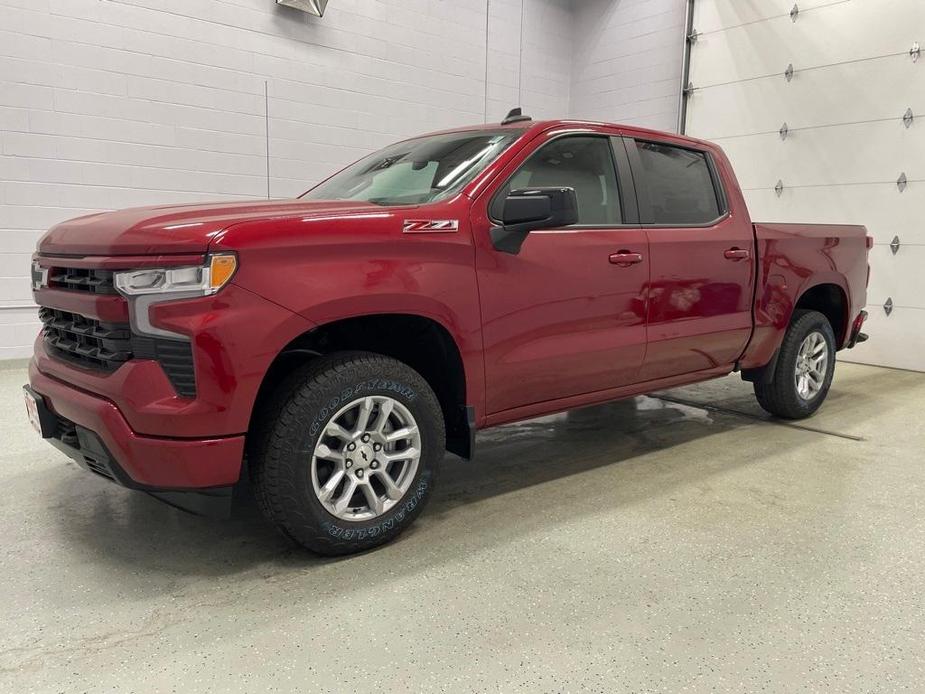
x=715 y=15
x=847 y=144
x=900 y=276
x=856 y=153
x=897 y=340
x=131 y=102
x=897 y=213
x=544 y=85
x=831 y=34
x=627 y=66
x=19 y=327
x=879 y=89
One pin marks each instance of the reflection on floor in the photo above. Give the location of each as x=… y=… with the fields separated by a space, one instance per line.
x=647 y=544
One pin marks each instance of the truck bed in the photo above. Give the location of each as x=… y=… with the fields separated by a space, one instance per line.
x=794 y=258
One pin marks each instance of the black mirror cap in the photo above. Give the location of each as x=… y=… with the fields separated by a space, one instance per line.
x=528 y=209
x=552 y=207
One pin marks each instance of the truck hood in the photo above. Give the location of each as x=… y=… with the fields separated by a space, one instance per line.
x=175 y=228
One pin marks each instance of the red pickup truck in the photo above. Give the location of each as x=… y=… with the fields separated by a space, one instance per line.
x=332 y=347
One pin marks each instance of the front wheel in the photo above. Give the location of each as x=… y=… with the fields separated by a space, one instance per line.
x=345 y=454
x=805 y=366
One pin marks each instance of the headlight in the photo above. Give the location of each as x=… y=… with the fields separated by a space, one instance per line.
x=145 y=288
x=197 y=280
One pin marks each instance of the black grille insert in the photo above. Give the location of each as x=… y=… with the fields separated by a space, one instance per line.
x=175 y=357
x=82 y=280
x=84 y=341
x=92 y=344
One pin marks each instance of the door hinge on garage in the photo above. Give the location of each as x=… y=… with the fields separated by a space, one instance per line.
x=315 y=7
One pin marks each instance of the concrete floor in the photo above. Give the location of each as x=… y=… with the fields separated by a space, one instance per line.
x=647 y=545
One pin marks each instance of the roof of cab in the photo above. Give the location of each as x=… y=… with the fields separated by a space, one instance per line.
x=542 y=125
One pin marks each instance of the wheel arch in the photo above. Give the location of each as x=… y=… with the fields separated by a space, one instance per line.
x=422 y=342
x=828 y=297
x=831 y=300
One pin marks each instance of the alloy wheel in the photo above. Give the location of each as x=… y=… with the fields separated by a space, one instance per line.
x=366 y=458
x=812 y=365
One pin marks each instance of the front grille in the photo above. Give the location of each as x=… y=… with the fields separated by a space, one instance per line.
x=82 y=280
x=92 y=344
x=84 y=341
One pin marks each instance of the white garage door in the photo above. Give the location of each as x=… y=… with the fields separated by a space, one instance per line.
x=832 y=132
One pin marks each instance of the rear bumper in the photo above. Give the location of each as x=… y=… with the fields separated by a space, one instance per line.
x=99 y=438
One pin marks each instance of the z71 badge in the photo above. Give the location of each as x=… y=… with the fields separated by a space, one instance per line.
x=422 y=226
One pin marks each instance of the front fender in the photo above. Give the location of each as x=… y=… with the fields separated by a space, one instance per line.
x=335 y=269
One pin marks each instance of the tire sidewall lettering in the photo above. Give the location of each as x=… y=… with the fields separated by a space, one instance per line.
x=372 y=386
x=386 y=525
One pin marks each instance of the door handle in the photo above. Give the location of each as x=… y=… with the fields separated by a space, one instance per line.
x=737 y=254
x=625 y=258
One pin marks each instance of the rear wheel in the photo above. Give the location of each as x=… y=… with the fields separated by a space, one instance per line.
x=344 y=457
x=805 y=366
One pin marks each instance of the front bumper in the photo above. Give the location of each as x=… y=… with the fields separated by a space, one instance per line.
x=234 y=337
x=94 y=432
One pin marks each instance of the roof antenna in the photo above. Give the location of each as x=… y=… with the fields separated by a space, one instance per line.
x=515 y=115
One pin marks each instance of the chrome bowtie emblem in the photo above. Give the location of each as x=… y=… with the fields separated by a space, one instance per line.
x=39 y=276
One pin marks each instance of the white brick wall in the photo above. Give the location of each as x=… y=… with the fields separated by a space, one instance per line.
x=115 y=103
x=627 y=61
x=544 y=88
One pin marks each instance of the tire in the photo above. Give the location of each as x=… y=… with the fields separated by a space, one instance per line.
x=784 y=396
x=295 y=457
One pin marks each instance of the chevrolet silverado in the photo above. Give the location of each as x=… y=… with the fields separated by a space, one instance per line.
x=332 y=347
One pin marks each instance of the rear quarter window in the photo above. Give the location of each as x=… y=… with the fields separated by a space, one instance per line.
x=679 y=184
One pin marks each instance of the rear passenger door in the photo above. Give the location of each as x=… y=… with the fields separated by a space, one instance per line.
x=701 y=261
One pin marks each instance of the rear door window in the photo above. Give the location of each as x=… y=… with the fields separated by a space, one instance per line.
x=679 y=185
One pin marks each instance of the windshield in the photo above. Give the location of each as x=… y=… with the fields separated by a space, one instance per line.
x=416 y=171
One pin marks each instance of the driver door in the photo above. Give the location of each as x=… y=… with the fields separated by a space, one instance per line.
x=563 y=317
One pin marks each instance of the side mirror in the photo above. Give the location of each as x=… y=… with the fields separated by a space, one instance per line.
x=528 y=209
